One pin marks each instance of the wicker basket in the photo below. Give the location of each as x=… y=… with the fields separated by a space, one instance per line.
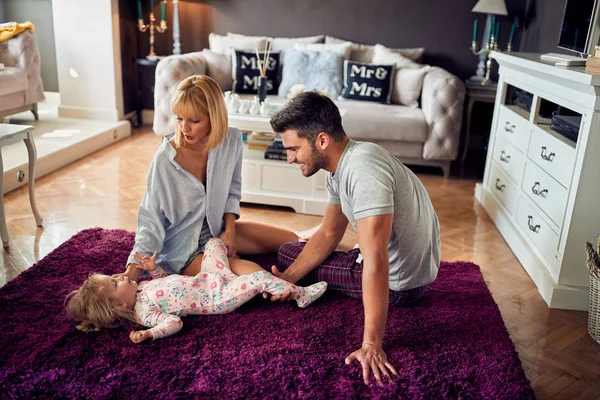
x=594 y=311
x=593 y=264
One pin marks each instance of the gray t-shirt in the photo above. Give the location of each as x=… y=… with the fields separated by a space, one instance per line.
x=370 y=181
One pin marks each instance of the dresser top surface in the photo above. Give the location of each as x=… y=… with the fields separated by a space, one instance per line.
x=533 y=61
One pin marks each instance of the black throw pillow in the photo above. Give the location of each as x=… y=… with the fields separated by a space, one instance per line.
x=245 y=71
x=370 y=82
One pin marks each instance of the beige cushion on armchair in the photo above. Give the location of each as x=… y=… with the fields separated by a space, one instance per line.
x=21 y=84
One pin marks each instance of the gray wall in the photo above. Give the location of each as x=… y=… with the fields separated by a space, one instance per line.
x=2 y=11
x=443 y=27
x=40 y=13
x=543 y=19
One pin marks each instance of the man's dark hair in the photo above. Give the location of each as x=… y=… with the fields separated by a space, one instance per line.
x=310 y=113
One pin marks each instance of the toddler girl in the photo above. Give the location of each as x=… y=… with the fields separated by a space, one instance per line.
x=106 y=302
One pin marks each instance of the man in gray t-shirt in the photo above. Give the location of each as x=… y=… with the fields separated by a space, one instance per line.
x=388 y=207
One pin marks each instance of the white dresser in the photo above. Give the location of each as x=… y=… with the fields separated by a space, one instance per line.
x=541 y=188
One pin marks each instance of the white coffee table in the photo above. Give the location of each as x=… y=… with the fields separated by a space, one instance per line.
x=10 y=134
x=275 y=182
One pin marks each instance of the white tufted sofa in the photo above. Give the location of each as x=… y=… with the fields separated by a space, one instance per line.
x=21 y=86
x=428 y=135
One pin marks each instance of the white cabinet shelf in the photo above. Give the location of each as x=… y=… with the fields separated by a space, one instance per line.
x=540 y=188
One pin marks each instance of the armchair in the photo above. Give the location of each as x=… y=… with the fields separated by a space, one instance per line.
x=21 y=86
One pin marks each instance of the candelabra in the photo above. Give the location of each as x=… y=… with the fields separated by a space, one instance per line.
x=151 y=26
x=490 y=45
x=491 y=36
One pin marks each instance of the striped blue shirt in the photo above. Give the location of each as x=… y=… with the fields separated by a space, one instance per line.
x=175 y=202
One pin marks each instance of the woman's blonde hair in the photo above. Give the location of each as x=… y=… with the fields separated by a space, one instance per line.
x=93 y=310
x=200 y=93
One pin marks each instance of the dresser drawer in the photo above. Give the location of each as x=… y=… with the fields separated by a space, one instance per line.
x=514 y=127
x=552 y=154
x=546 y=192
x=509 y=159
x=539 y=232
x=504 y=189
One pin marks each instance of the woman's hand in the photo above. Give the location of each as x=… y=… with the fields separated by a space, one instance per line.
x=228 y=238
x=146 y=263
x=372 y=358
x=140 y=336
x=132 y=272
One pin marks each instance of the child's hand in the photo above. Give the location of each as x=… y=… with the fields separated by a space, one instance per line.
x=145 y=262
x=140 y=336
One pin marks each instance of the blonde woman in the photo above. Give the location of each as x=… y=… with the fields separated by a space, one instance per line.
x=193 y=190
x=107 y=302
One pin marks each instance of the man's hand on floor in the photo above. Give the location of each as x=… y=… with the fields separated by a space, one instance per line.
x=373 y=359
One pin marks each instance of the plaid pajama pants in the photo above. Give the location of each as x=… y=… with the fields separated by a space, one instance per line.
x=341 y=272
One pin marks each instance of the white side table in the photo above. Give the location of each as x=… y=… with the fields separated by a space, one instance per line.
x=10 y=134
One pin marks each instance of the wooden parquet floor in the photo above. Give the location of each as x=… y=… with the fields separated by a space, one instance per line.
x=105 y=189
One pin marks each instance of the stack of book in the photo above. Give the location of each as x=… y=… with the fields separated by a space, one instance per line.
x=592 y=63
x=260 y=140
x=275 y=150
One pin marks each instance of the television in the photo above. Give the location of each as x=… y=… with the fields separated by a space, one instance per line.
x=580 y=32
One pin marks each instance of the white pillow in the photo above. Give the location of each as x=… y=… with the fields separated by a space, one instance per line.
x=407 y=86
x=282 y=43
x=223 y=44
x=383 y=55
x=340 y=48
x=408 y=79
x=364 y=52
x=218 y=67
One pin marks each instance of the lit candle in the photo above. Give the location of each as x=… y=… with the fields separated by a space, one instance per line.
x=497 y=31
x=475 y=30
x=139 y=8
x=492 y=25
x=151 y=5
x=512 y=32
x=163 y=10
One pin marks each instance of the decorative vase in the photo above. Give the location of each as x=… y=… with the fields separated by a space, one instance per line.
x=262 y=88
x=265 y=108
x=234 y=104
x=255 y=107
x=244 y=106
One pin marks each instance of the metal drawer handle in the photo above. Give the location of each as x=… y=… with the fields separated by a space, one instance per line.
x=549 y=157
x=499 y=186
x=536 y=190
x=504 y=157
x=532 y=228
x=508 y=127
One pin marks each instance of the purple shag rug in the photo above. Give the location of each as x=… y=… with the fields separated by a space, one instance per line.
x=452 y=345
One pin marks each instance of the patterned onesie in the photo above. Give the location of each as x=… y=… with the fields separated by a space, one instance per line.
x=214 y=290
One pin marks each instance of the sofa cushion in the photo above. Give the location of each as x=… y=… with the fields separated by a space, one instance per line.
x=343 y=48
x=408 y=80
x=13 y=80
x=373 y=121
x=223 y=44
x=407 y=86
x=364 y=52
x=316 y=70
x=218 y=67
x=245 y=71
x=282 y=43
x=384 y=55
x=367 y=82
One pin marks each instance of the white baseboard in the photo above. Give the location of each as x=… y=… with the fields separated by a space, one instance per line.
x=88 y=113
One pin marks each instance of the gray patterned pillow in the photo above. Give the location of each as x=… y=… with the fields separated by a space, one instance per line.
x=316 y=70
